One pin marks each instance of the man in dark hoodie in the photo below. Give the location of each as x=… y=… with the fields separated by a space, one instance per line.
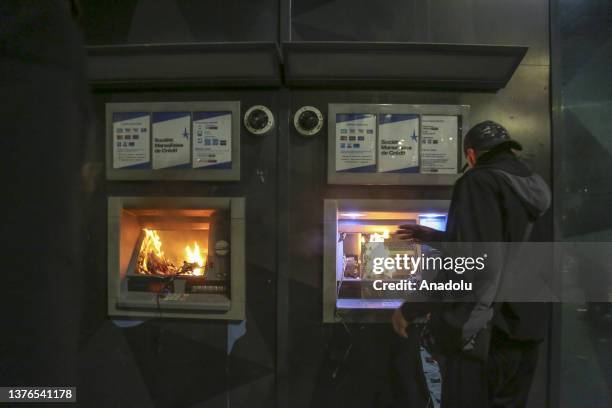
x=496 y=201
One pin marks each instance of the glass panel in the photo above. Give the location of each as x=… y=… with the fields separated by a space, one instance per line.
x=583 y=191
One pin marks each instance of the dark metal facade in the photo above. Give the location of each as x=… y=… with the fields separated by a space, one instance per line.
x=284 y=355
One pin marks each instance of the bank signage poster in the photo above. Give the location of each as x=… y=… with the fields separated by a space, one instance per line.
x=385 y=143
x=131 y=140
x=212 y=140
x=439 y=144
x=192 y=140
x=356 y=142
x=171 y=139
x=398 y=143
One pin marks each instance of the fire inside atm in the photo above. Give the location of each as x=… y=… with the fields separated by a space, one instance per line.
x=180 y=253
x=180 y=257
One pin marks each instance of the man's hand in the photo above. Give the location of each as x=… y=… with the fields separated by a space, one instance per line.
x=399 y=323
x=417 y=233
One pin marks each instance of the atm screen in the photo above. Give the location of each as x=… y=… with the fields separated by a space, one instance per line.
x=435 y=221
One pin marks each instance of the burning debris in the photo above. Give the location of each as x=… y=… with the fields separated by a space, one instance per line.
x=153 y=261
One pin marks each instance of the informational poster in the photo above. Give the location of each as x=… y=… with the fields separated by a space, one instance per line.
x=212 y=140
x=131 y=140
x=439 y=144
x=355 y=142
x=171 y=139
x=398 y=143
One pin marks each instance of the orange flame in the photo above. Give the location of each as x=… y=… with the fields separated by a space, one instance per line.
x=194 y=256
x=151 y=252
x=152 y=260
x=153 y=240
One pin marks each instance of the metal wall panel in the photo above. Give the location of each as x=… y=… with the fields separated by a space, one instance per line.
x=520 y=22
x=310 y=355
x=114 y=22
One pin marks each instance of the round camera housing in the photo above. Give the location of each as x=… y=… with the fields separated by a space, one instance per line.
x=308 y=120
x=258 y=120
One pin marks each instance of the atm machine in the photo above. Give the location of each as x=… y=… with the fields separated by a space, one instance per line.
x=390 y=144
x=374 y=167
x=175 y=256
x=385 y=165
x=181 y=269
x=375 y=141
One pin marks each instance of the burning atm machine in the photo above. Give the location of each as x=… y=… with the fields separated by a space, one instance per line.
x=176 y=257
x=179 y=256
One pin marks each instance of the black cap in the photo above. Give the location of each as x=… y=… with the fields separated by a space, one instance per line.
x=488 y=135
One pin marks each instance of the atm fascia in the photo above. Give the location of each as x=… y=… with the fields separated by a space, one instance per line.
x=352 y=228
x=176 y=257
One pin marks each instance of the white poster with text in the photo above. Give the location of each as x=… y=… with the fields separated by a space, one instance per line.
x=398 y=143
x=171 y=139
x=439 y=144
x=355 y=142
x=131 y=140
x=212 y=140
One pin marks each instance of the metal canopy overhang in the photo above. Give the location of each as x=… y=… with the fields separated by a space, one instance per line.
x=364 y=65
x=249 y=64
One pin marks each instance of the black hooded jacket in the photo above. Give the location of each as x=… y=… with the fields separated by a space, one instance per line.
x=496 y=201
